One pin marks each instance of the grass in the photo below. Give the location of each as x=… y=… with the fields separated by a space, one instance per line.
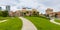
x=43 y=23
x=11 y=24
x=57 y=20
x=2 y=18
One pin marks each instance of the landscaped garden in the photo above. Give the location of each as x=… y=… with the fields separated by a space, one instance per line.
x=12 y=23
x=43 y=23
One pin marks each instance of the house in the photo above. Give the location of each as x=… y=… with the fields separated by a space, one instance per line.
x=24 y=12
x=49 y=12
x=57 y=14
x=17 y=13
x=11 y=13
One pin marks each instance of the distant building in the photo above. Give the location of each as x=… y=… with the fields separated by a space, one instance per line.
x=0 y=8
x=8 y=7
x=11 y=13
x=49 y=12
x=24 y=9
x=57 y=14
x=24 y=12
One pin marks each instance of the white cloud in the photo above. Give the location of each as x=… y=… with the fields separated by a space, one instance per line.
x=8 y=2
x=41 y=5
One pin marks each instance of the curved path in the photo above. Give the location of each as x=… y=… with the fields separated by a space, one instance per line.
x=52 y=20
x=3 y=21
x=27 y=25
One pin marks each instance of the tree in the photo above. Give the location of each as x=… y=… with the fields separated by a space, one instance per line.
x=5 y=13
x=0 y=13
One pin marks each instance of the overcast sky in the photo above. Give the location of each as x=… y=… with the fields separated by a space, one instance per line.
x=41 y=5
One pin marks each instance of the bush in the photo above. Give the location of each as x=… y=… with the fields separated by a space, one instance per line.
x=4 y=13
x=0 y=13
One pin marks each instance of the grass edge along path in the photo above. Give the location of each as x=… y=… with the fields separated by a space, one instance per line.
x=43 y=24
x=57 y=20
x=12 y=24
x=27 y=25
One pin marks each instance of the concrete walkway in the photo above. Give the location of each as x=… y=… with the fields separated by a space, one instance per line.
x=27 y=25
x=52 y=20
x=3 y=21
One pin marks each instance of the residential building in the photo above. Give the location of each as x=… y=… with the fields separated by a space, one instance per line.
x=11 y=14
x=49 y=10
x=57 y=14
x=24 y=12
x=17 y=13
x=50 y=13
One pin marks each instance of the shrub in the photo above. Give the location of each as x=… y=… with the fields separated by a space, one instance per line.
x=4 y=13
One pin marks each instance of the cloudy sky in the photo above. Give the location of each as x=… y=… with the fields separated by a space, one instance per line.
x=41 y=5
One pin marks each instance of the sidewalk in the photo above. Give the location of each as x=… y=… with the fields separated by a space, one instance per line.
x=3 y=21
x=52 y=20
x=27 y=25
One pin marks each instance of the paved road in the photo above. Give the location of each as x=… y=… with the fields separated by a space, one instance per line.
x=27 y=25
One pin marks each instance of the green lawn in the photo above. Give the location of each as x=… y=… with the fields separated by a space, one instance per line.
x=57 y=20
x=11 y=23
x=3 y=18
x=43 y=23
